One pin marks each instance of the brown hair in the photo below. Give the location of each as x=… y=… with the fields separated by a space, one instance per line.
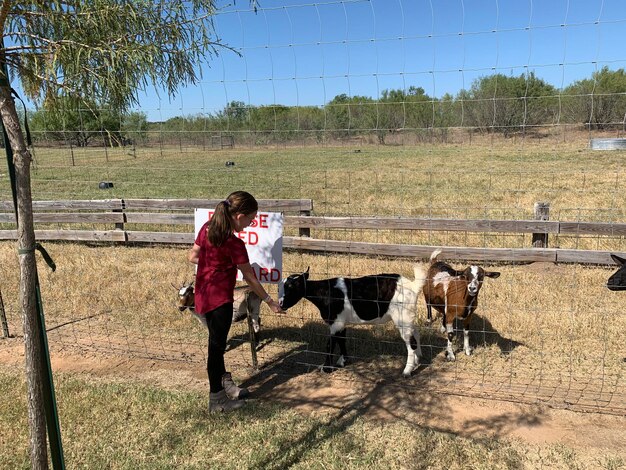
x=221 y=226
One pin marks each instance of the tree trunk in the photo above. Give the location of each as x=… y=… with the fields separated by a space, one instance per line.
x=34 y=359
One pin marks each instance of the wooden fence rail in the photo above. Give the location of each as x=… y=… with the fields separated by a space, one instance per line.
x=366 y=223
x=122 y=212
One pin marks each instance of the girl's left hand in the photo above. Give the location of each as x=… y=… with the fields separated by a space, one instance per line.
x=275 y=307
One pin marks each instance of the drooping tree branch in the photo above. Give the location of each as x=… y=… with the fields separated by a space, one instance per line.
x=4 y=12
x=104 y=52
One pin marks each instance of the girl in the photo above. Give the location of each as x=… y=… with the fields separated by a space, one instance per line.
x=218 y=254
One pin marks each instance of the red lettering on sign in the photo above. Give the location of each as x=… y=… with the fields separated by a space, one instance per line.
x=253 y=238
x=263 y=221
x=249 y=238
x=267 y=275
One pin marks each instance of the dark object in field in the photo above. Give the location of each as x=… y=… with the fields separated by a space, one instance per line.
x=105 y=185
x=370 y=299
x=229 y=164
x=454 y=294
x=618 y=280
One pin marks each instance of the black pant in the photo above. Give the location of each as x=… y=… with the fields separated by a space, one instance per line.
x=218 y=321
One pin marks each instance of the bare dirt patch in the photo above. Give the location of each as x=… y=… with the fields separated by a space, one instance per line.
x=315 y=392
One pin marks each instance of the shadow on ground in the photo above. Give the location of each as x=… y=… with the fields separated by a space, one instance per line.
x=370 y=385
x=365 y=389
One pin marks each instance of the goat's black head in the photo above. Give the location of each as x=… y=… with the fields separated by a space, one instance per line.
x=294 y=288
x=618 y=280
x=186 y=297
x=475 y=275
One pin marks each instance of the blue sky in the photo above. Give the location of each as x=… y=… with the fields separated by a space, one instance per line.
x=303 y=53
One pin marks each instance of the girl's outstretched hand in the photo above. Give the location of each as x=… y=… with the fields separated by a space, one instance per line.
x=275 y=307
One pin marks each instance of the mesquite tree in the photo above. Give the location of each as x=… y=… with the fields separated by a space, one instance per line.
x=103 y=51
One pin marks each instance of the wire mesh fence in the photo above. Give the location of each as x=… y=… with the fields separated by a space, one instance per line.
x=369 y=109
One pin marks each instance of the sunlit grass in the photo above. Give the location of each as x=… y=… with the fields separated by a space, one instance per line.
x=489 y=179
x=124 y=425
x=542 y=324
x=483 y=180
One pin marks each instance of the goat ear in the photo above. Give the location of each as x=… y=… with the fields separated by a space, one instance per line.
x=618 y=260
x=492 y=274
x=306 y=273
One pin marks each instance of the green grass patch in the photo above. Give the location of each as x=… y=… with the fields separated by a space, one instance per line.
x=471 y=181
x=133 y=426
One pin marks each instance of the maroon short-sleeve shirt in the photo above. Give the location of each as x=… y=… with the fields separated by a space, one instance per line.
x=217 y=271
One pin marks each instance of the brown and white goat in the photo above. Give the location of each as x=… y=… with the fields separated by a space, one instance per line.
x=454 y=294
x=245 y=303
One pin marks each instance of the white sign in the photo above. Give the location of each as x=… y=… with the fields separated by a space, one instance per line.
x=264 y=242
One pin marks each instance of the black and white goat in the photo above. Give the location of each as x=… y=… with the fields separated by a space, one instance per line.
x=371 y=299
x=245 y=303
x=454 y=294
x=618 y=280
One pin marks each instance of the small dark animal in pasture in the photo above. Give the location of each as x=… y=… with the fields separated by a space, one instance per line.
x=245 y=303
x=371 y=299
x=454 y=294
x=618 y=280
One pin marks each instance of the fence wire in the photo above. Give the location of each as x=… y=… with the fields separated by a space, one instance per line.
x=368 y=108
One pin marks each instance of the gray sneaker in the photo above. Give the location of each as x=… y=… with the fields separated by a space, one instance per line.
x=219 y=402
x=231 y=389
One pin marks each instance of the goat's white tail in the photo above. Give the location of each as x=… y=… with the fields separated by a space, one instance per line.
x=434 y=254
x=420 y=278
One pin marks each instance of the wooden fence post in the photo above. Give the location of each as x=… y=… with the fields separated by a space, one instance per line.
x=120 y=226
x=542 y=212
x=3 y=319
x=305 y=231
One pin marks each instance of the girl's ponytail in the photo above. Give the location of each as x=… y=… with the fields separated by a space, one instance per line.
x=220 y=226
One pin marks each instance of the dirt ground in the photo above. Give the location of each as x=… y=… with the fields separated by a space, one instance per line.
x=316 y=392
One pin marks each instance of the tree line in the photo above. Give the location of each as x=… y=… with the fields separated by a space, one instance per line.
x=493 y=104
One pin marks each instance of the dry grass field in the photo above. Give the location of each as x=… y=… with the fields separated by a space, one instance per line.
x=544 y=388
x=119 y=344
x=491 y=178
